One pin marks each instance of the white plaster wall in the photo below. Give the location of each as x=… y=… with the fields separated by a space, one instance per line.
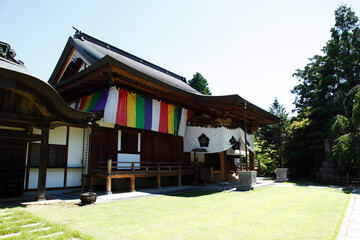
x=37 y=131
x=33 y=178
x=58 y=136
x=73 y=178
x=139 y=142
x=76 y=147
x=54 y=178
x=123 y=157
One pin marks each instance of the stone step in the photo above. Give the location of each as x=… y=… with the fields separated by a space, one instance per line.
x=328 y=164
x=327 y=170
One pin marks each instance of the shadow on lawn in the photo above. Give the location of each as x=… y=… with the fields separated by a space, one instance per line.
x=192 y=194
x=11 y=204
x=312 y=183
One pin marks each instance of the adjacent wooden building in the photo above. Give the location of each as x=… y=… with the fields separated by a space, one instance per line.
x=31 y=114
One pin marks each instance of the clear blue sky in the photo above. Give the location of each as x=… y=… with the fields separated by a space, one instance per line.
x=250 y=48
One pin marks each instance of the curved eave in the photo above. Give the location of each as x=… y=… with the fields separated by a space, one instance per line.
x=60 y=111
x=108 y=64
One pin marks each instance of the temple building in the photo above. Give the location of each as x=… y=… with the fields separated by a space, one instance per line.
x=145 y=125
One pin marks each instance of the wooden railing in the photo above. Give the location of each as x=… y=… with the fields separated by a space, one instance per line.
x=114 y=169
x=341 y=180
x=118 y=167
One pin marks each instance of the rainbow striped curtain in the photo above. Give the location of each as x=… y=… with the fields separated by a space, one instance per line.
x=133 y=110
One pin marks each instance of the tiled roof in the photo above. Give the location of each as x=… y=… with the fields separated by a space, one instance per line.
x=92 y=50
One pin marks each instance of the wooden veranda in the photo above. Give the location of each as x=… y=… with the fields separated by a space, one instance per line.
x=133 y=170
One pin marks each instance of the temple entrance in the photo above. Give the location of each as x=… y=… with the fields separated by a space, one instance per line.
x=12 y=168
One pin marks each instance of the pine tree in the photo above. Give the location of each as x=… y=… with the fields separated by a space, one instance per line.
x=199 y=83
x=325 y=91
x=270 y=139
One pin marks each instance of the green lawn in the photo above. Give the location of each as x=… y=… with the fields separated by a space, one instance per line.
x=16 y=223
x=271 y=213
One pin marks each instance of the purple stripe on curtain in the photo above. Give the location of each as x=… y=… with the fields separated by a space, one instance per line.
x=102 y=100
x=179 y=114
x=148 y=113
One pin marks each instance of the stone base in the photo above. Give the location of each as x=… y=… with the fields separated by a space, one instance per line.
x=282 y=174
x=247 y=180
x=224 y=183
x=239 y=188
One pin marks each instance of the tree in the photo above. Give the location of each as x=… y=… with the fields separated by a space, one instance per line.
x=345 y=137
x=325 y=91
x=327 y=78
x=199 y=83
x=270 y=139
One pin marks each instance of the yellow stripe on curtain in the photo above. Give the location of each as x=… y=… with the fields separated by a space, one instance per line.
x=87 y=103
x=171 y=118
x=131 y=110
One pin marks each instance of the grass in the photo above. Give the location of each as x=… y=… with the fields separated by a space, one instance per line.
x=17 y=223
x=271 y=213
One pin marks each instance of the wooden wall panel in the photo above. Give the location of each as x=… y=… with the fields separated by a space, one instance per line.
x=146 y=148
x=103 y=144
x=157 y=147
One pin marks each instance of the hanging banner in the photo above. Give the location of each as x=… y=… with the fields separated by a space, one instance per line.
x=214 y=140
x=133 y=110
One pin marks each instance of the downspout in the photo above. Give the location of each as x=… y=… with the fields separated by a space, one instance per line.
x=246 y=149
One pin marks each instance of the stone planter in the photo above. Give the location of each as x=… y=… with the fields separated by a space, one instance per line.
x=88 y=198
x=247 y=180
x=282 y=174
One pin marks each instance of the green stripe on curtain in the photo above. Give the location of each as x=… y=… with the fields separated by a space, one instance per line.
x=94 y=101
x=140 y=111
x=175 y=120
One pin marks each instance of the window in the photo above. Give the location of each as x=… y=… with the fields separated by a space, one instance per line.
x=57 y=154
x=129 y=142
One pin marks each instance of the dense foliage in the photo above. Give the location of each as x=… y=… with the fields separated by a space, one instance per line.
x=199 y=83
x=327 y=88
x=270 y=139
x=345 y=136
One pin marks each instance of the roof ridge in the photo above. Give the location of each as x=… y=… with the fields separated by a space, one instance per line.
x=83 y=36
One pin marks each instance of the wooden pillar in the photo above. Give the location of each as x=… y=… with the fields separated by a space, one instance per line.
x=66 y=155
x=108 y=178
x=132 y=183
x=179 y=181
x=195 y=174
x=179 y=177
x=44 y=159
x=252 y=161
x=223 y=166
x=245 y=131
x=133 y=167
x=211 y=174
x=158 y=181
x=108 y=185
